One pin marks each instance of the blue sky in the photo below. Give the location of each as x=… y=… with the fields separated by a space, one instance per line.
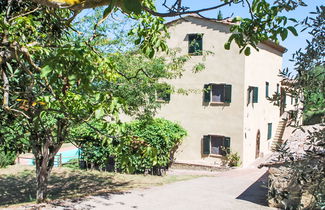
x=292 y=43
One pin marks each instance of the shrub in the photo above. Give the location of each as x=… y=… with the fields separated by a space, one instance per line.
x=233 y=159
x=7 y=158
x=148 y=145
x=143 y=146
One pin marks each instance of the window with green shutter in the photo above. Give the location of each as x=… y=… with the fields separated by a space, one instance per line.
x=217 y=93
x=195 y=44
x=267 y=89
x=163 y=92
x=255 y=94
x=269 y=130
x=216 y=145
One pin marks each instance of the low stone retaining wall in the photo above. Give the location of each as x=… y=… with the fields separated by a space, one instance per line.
x=288 y=190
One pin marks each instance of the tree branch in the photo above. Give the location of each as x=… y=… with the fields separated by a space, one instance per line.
x=176 y=13
x=6 y=88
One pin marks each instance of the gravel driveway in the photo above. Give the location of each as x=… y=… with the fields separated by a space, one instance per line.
x=236 y=189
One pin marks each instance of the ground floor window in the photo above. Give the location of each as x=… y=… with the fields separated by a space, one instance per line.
x=217 y=145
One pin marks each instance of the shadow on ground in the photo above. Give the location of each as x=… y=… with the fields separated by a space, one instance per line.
x=257 y=192
x=20 y=188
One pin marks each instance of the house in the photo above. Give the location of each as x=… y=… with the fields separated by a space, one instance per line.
x=232 y=110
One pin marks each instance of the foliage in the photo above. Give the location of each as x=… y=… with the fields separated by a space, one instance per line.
x=141 y=146
x=72 y=163
x=6 y=158
x=265 y=21
x=53 y=78
x=308 y=88
x=233 y=159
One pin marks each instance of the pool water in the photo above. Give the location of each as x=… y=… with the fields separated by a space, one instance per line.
x=66 y=156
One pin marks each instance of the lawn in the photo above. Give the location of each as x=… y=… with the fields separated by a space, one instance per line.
x=17 y=183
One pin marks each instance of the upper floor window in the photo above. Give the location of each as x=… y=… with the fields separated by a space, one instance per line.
x=252 y=94
x=163 y=92
x=267 y=85
x=269 y=131
x=195 y=44
x=217 y=93
x=217 y=145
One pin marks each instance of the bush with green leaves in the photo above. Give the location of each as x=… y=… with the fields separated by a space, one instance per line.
x=141 y=146
x=7 y=158
x=148 y=144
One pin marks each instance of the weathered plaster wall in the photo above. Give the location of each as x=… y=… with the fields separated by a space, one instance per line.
x=260 y=67
x=221 y=67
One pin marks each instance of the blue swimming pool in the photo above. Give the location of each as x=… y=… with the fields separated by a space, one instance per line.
x=66 y=156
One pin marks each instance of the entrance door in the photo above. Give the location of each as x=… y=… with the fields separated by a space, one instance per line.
x=258 y=138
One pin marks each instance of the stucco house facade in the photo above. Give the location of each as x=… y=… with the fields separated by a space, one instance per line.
x=231 y=111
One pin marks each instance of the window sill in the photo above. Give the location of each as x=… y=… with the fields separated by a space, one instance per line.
x=216 y=156
x=162 y=101
x=219 y=103
x=195 y=54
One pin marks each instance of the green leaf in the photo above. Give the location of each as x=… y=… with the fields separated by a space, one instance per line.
x=99 y=113
x=227 y=45
x=284 y=34
x=293 y=30
x=133 y=6
x=45 y=71
x=10 y=68
x=247 y=51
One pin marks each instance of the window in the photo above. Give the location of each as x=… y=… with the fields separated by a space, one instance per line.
x=163 y=92
x=195 y=44
x=252 y=94
x=267 y=89
x=217 y=145
x=278 y=94
x=269 y=131
x=217 y=93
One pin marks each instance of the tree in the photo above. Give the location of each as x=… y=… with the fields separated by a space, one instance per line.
x=54 y=77
x=309 y=88
x=264 y=23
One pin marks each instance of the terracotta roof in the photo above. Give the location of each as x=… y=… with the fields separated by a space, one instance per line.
x=229 y=22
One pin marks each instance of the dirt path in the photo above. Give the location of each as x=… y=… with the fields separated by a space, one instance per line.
x=237 y=189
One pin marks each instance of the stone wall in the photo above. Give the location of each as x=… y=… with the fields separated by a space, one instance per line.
x=287 y=188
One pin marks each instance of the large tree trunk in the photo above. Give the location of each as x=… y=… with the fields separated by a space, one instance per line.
x=42 y=175
x=44 y=160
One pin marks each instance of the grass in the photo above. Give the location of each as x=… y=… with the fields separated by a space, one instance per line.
x=17 y=183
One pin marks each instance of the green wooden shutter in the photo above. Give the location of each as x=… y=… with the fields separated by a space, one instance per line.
x=226 y=144
x=249 y=94
x=167 y=94
x=207 y=93
x=269 y=130
x=255 y=95
x=227 y=93
x=267 y=89
x=206 y=145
